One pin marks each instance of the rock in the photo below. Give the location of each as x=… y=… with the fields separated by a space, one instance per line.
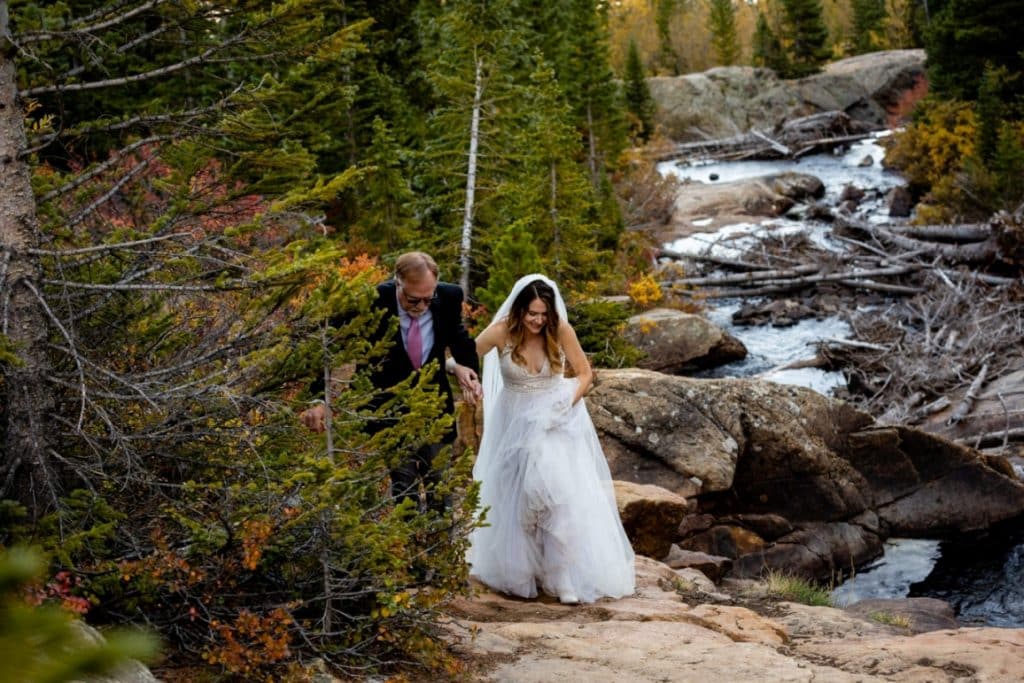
x=674 y=341
x=851 y=193
x=712 y=566
x=650 y=515
x=813 y=551
x=767 y=526
x=866 y=162
x=726 y=100
x=131 y=671
x=899 y=202
x=693 y=524
x=919 y=482
x=727 y=541
x=778 y=312
x=667 y=631
x=920 y=614
x=737 y=201
x=766 y=449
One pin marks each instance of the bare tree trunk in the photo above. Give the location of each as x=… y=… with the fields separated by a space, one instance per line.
x=26 y=403
x=592 y=164
x=474 y=142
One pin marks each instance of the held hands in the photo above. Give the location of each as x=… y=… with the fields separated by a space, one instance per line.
x=472 y=391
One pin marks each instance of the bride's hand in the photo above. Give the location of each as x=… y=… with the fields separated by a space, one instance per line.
x=562 y=405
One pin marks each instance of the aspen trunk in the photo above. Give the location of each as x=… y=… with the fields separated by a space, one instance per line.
x=465 y=256
x=26 y=402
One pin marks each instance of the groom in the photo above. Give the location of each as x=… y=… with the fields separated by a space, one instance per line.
x=429 y=321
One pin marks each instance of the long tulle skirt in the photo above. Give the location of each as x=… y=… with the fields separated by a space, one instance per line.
x=549 y=505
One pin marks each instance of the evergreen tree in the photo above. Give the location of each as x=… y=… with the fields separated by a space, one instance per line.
x=667 y=57
x=167 y=296
x=868 y=25
x=722 y=24
x=767 y=48
x=514 y=256
x=637 y=95
x=806 y=37
x=966 y=36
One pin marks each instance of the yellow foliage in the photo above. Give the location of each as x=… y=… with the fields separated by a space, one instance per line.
x=645 y=291
x=932 y=148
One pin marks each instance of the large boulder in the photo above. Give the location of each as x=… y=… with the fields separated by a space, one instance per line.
x=762 y=451
x=725 y=101
x=650 y=515
x=736 y=201
x=674 y=341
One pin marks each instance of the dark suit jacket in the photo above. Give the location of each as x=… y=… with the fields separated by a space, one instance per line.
x=449 y=333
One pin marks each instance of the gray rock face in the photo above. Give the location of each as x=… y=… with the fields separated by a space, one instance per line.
x=725 y=101
x=788 y=478
x=674 y=341
x=741 y=200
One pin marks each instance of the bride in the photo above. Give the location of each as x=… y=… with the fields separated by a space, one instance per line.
x=544 y=483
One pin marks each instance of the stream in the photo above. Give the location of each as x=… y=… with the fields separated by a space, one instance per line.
x=980 y=575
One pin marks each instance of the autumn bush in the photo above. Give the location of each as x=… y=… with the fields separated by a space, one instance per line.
x=938 y=153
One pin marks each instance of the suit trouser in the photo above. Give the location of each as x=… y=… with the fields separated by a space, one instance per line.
x=417 y=469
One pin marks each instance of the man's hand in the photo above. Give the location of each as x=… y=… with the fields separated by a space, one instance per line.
x=472 y=392
x=314 y=418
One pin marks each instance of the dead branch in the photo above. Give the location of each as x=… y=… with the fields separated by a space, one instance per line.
x=968 y=400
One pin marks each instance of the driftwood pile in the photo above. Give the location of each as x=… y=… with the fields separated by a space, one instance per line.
x=815 y=133
x=937 y=313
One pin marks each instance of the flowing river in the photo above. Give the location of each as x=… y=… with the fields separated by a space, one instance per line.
x=981 y=575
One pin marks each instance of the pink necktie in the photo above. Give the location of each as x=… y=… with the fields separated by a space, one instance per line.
x=414 y=344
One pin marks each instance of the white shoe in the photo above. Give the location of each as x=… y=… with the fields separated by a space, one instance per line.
x=568 y=599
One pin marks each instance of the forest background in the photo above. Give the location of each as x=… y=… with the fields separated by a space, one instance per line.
x=191 y=192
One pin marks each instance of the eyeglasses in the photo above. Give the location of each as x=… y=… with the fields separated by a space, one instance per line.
x=417 y=300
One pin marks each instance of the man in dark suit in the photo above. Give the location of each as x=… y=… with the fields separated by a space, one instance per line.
x=430 y=321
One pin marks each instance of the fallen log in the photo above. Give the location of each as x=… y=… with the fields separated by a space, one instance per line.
x=751 y=276
x=967 y=402
x=970 y=252
x=968 y=232
x=787 y=284
x=735 y=264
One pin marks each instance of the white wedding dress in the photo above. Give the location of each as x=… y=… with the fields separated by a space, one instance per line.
x=547 y=494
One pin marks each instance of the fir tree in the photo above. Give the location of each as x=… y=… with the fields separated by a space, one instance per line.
x=868 y=25
x=637 y=95
x=806 y=37
x=966 y=36
x=722 y=24
x=767 y=48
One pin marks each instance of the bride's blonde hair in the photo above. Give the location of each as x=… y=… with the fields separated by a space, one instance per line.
x=538 y=289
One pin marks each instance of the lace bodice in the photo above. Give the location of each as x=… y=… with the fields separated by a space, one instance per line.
x=518 y=378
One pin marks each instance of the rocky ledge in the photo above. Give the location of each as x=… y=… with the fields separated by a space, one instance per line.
x=769 y=476
x=678 y=626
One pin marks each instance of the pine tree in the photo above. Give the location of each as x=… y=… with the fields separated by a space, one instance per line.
x=806 y=37
x=637 y=95
x=168 y=293
x=722 y=24
x=767 y=48
x=966 y=36
x=667 y=57
x=868 y=25
x=514 y=256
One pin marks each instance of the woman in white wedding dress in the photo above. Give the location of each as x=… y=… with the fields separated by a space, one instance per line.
x=545 y=486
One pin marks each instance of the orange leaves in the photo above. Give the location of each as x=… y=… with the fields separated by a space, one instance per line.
x=255 y=533
x=60 y=589
x=252 y=641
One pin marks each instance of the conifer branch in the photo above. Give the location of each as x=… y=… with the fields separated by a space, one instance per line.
x=117 y=157
x=41 y=36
